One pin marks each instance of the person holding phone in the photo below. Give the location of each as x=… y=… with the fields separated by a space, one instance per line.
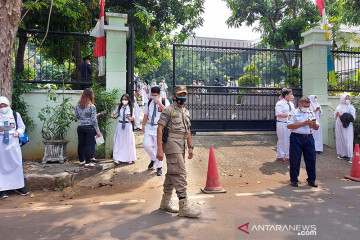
x=124 y=140
x=318 y=137
x=302 y=124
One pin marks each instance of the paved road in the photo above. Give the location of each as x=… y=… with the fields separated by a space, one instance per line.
x=122 y=203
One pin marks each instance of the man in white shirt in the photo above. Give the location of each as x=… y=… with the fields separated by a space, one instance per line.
x=302 y=123
x=232 y=83
x=152 y=112
x=282 y=110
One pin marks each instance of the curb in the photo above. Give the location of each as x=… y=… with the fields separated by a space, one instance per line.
x=38 y=181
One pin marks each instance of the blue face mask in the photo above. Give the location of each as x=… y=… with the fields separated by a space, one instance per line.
x=180 y=100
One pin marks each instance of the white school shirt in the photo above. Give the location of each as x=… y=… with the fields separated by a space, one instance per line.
x=282 y=107
x=297 y=116
x=163 y=86
x=127 y=113
x=232 y=84
x=12 y=124
x=149 y=110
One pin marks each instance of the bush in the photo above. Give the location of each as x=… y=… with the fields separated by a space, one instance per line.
x=19 y=104
x=56 y=120
x=104 y=101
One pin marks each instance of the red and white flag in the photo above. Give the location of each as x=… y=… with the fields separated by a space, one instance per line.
x=321 y=6
x=100 y=44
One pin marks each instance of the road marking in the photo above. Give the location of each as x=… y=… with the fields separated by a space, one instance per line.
x=351 y=187
x=121 y=202
x=199 y=196
x=36 y=209
x=51 y=208
x=254 y=194
x=311 y=190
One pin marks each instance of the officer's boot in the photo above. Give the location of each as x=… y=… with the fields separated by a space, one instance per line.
x=186 y=211
x=167 y=205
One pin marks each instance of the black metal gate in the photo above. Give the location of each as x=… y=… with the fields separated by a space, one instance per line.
x=260 y=73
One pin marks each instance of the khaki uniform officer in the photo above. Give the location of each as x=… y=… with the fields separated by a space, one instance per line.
x=177 y=119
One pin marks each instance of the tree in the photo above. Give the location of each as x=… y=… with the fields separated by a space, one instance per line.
x=281 y=22
x=10 y=12
x=349 y=11
x=154 y=21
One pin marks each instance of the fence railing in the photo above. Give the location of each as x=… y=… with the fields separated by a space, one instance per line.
x=251 y=67
x=57 y=61
x=347 y=70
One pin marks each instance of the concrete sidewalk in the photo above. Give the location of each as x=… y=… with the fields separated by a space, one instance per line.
x=56 y=176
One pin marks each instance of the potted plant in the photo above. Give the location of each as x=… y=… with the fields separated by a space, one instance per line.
x=56 y=122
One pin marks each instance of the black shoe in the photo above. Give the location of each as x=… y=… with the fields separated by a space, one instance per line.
x=294 y=184
x=312 y=184
x=22 y=191
x=318 y=152
x=4 y=195
x=151 y=165
x=159 y=172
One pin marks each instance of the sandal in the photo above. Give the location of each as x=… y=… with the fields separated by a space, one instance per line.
x=81 y=164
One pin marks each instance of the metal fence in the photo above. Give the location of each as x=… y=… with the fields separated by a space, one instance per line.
x=261 y=73
x=57 y=61
x=250 y=66
x=347 y=70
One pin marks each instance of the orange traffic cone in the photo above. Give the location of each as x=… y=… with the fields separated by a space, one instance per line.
x=355 y=167
x=213 y=181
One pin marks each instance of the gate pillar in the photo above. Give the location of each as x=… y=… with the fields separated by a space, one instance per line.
x=116 y=34
x=314 y=74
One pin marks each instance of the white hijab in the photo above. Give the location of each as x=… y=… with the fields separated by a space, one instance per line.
x=313 y=104
x=5 y=116
x=343 y=107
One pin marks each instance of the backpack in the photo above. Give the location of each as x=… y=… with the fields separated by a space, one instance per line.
x=22 y=140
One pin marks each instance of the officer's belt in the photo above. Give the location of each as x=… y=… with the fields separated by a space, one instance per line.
x=123 y=122
x=302 y=135
x=176 y=135
x=152 y=124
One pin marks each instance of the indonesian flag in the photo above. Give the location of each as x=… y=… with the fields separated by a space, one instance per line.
x=99 y=33
x=330 y=66
x=321 y=6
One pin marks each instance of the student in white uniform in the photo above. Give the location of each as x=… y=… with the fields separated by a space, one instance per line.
x=146 y=92
x=163 y=89
x=344 y=135
x=318 y=137
x=153 y=83
x=136 y=115
x=232 y=83
x=282 y=110
x=11 y=169
x=152 y=112
x=124 y=139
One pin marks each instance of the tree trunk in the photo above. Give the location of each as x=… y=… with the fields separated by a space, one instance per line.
x=10 y=12
x=19 y=64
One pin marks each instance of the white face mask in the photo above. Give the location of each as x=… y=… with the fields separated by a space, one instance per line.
x=315 y=99
x=4 y=110
x=304 y=109
x=347 y=101
x=124 y=102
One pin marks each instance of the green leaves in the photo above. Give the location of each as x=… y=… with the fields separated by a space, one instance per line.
x=56 y=119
